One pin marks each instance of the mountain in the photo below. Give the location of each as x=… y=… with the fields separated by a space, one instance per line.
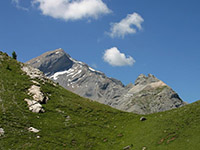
x=76 y=123
x=147 y=95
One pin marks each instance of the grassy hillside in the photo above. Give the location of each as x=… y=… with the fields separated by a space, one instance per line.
x=91 y=126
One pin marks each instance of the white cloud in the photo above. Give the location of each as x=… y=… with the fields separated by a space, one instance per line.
x=128 y=25
x=17 y=5
x=72 y=9
x=115 y=58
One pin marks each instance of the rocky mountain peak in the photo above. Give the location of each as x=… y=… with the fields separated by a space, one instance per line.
x=143 y=80
x=147 y=95
x=52 y=61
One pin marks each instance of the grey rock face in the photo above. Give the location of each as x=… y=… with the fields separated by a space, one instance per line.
x=52 y=61
x=38 y=97
x=36 y=93
x=80 y=78
x=34 y=106
x=33 y=73
x=87 y=82
x=147 y=95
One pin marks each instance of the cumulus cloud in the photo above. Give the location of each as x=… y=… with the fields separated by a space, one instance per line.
x=115 y=58
x=17 y=5
x=128 y=25
x=72 y=9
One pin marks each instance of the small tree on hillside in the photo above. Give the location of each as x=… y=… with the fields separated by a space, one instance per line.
x=14 y=55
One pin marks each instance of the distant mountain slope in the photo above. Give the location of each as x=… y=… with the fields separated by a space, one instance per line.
x=75 y=123
x=77 y=76
x=148 y=95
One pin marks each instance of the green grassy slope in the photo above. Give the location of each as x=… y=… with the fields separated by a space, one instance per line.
x=92 y=126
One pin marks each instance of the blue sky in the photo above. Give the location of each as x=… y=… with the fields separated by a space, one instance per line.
x=164 y=36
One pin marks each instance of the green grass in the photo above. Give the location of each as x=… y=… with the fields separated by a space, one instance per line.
x=92 y=126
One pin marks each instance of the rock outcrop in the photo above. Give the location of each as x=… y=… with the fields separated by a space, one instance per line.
x=34 y=91
x=34 y=106
x=32 y=72
x=147 y=95
x=2 y=131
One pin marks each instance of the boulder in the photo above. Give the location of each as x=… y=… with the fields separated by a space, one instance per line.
x=34 y=106
x=68 y=118
x=143 y=119
x=2 y=131
x=144 y=148
x=34 y=130
x=127 y=147
x=36 y=93
x=38 y=137
x=35 y=82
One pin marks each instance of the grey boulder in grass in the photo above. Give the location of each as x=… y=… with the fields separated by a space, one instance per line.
x=2 y=131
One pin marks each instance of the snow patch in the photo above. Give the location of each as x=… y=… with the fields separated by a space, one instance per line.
x=55 y=76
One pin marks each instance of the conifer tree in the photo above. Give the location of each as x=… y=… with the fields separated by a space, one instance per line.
x=14 y=55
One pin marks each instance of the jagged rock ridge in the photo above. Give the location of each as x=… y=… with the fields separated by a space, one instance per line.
x=147 y=95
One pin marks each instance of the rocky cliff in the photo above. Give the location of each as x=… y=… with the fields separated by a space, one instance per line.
x=147 y=95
